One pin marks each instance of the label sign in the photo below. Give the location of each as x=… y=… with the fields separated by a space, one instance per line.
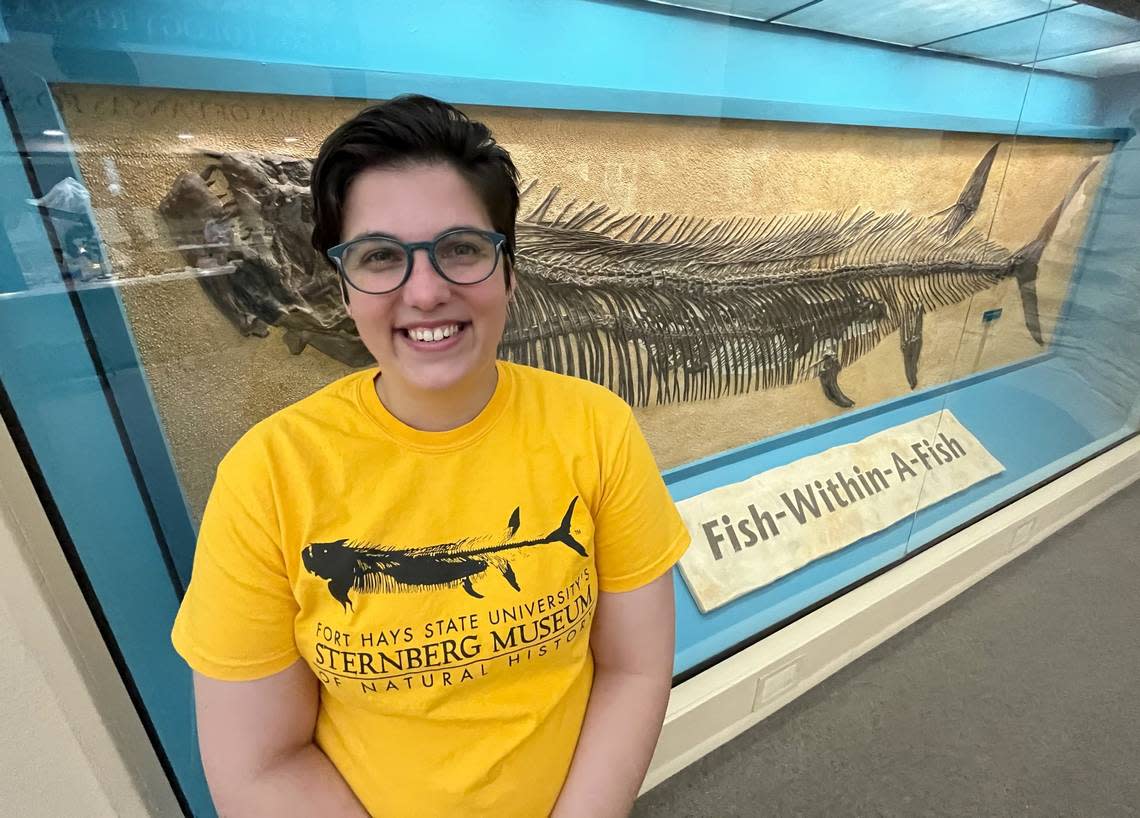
x=749 y=534
x=990 y=316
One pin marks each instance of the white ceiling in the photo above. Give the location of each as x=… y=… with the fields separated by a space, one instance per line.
x=1058 y=35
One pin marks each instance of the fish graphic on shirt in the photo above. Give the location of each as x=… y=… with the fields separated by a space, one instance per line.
x=369 y=569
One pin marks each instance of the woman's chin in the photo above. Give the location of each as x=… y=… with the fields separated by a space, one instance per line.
x=440 y=384
x=441 y=378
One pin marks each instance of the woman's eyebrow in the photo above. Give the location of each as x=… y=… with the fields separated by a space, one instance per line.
x=364 y=234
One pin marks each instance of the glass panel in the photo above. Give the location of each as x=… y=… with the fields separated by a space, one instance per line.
x=776 y=244
x=748 y=9
x=1057 y=206
x=74 y=386
x=915 y=22
x=1069 y=30
x=1103 y=62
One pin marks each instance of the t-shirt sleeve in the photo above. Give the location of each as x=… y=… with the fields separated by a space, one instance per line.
x=638 y=532
x=236 y=620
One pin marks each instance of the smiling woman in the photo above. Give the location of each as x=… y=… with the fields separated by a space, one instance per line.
x=426 y=495
x=443 y=382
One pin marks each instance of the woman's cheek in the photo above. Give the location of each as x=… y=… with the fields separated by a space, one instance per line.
x=373 y=326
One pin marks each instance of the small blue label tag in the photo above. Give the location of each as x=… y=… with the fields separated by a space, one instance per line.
x=991 y=315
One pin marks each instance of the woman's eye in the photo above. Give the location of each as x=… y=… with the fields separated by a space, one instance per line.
x=460 y=250
x=379 y=257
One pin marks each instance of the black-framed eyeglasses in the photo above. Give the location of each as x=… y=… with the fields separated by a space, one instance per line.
x=380 y=264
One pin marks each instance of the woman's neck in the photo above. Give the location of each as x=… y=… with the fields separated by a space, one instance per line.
x=437 y=410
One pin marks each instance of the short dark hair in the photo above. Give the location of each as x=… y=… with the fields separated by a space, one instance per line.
x=408 y=130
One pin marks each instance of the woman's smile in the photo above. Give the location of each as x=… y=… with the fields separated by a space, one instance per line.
x=433 y=337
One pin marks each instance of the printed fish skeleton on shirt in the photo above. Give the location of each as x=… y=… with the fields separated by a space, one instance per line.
x=371 y=569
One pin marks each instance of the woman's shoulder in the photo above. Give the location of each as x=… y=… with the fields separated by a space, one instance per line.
x=566 y=393
x=314 y=415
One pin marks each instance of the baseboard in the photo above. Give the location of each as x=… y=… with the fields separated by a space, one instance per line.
x=725 y=700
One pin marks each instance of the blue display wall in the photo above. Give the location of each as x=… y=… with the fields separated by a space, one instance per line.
x=73 y=383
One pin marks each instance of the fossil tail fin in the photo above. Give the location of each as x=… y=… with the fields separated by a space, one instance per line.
x=563 y=534
x=956 y=216
x=1026 y=259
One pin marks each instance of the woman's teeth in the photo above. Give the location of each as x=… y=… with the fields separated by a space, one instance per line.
x=434 y=334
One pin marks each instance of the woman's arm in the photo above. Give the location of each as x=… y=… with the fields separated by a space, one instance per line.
x=632 y=642
x=256 y=740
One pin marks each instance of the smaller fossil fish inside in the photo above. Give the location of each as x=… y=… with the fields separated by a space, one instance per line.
x=370 y=569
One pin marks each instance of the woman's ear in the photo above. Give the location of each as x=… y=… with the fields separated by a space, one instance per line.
x=344 y=296
x=513 y=278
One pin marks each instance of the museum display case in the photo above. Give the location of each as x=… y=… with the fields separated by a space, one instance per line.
x=865 y=272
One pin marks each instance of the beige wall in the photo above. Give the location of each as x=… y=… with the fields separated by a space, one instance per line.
x=71 y=743
x=45 y=771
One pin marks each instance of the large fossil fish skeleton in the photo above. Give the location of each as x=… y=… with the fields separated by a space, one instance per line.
x=659 y=308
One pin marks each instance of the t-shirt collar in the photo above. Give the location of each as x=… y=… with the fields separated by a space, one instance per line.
x=456 y=438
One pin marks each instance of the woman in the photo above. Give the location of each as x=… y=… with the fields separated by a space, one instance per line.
x=439 y=587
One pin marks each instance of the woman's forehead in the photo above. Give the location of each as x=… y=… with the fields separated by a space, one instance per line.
x=414 y=202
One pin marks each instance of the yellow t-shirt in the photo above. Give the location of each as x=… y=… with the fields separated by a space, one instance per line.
x=441 y=585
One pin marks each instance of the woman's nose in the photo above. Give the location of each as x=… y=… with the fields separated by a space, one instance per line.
x=425 y=288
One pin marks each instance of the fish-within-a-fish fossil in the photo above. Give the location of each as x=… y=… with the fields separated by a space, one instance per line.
x=373 y=569
x=659 y=308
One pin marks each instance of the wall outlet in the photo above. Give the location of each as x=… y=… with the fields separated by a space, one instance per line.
x=775 y=684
